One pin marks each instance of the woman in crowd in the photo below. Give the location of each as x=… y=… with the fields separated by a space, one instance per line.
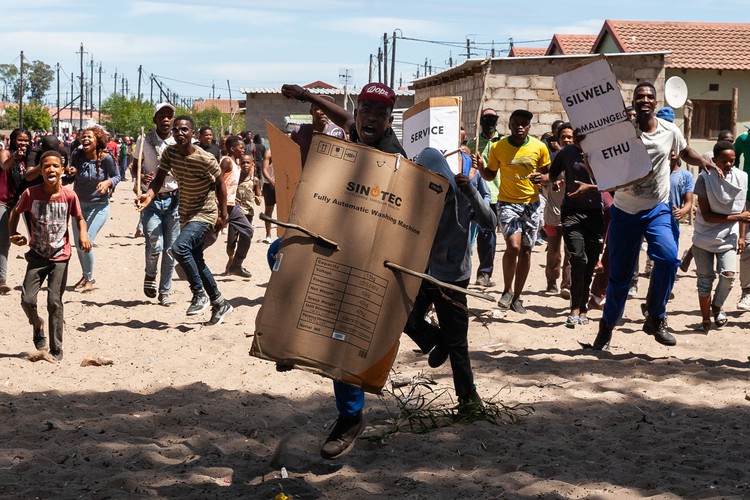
x=95 y=174
x=13 y=164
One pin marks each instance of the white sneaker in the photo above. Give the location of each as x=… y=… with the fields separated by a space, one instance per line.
x=744 y=303
x=632 y=292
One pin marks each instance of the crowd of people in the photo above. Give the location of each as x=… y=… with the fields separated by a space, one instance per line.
x=190 y=185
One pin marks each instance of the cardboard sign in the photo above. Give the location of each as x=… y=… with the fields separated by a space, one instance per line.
x=340 y=312
x=287 y=170
x=434 y=122
x=591 y=97
x=617 y=156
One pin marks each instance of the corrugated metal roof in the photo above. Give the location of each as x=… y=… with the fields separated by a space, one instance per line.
x=337 y=91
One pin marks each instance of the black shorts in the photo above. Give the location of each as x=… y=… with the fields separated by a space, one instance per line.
x=269 y=195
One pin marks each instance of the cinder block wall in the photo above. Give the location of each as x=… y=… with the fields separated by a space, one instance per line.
x=528 y=83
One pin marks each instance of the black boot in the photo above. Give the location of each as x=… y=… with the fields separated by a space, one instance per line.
x=601 y=342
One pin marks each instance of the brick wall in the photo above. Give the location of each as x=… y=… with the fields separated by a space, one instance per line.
x=528 y=83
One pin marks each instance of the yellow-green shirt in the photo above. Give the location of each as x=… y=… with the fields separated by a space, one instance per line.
x=515 y=165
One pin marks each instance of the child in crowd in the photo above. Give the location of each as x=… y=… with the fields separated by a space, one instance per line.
x=720 y=221
x=51 y=206
x=248 y=192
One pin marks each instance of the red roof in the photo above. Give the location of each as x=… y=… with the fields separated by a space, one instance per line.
x=517 y=51
x=692 y=45
x=222 y=105
x=318 y=85
x=571 y=44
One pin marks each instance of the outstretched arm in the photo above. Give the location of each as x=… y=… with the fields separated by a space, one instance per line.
x=336 y=113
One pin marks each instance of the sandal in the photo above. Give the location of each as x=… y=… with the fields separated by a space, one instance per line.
x=720 y=318
x=78 y=286
x=705 y=326
x=165 y=300
x=572 y=321
x=583 y=320
x=149 y=286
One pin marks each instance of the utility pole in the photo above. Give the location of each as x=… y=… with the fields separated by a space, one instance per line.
x=57 y=128
x=468 y=49
x=72 y=100
x=140 y=74
x=380 y=60
x=122 y=86
x=385 y=58
x=100 y=87
x=213 y=90
x=370 y=75
x=152 y=88
x=20 y=96
x=127 y=88
x=115 y=77
x=80 y=115
x=91 y=88
x=393 y=60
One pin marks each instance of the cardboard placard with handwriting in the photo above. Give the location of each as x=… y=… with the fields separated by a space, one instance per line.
x=592 y=99
x=339 y=311
x=436 y=123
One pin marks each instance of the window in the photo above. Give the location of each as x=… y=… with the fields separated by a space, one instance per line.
x=709 y=118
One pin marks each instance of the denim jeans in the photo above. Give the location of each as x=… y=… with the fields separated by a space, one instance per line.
x=188 y=250
x=161 y=226
x=625 y=230
x=56 y=274
x=4 y=241
x=95 y=214
x=726 y=262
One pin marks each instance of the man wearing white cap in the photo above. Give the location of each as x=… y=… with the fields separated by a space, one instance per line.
x=160 y=219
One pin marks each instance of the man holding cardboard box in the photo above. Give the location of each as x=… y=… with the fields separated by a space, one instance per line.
x=370 y=125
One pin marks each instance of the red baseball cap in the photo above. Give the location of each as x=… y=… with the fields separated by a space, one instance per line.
x=378 y=92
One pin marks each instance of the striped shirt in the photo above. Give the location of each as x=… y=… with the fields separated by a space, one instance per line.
x=196 y=176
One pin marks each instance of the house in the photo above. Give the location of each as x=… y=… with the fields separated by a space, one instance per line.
x=269 y=104
x=712 y=58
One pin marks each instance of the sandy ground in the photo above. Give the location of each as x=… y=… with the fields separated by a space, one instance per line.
x=184 y=411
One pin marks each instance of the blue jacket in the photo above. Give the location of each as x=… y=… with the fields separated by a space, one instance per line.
x=450 y=257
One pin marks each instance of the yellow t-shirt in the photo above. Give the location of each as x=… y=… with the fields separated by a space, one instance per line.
x=515 y=165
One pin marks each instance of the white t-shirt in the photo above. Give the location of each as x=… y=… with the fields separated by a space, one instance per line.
x=153 y=148
x=648 y=193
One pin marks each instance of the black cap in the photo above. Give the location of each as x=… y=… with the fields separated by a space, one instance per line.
x=522 y=113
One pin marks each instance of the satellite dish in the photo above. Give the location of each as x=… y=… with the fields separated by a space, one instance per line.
x=675 y=92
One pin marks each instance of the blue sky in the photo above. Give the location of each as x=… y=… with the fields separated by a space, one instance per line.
x=191 y=45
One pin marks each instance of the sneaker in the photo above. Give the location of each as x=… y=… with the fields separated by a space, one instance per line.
x=198 y=304
x=469 y=405
x=505 y=300
x=438 y=356
x=483 y=279
x=565 y=293
x=658 y=328
x=341 y=438
x=218 y=311
x=744 y=303
x=268 y=240
x=149 y=286
x=633 y=292
x=40 y=339
x=517 y=306
x=4 y=288
x=552 y=287
x=238 y=270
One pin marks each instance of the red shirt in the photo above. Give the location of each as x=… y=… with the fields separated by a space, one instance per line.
x=49 y=221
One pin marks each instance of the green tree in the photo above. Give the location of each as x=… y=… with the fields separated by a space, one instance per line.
x=125 y=116
x=35 y=116
x=218 y=121
x=9 y=79
x=40 y=78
